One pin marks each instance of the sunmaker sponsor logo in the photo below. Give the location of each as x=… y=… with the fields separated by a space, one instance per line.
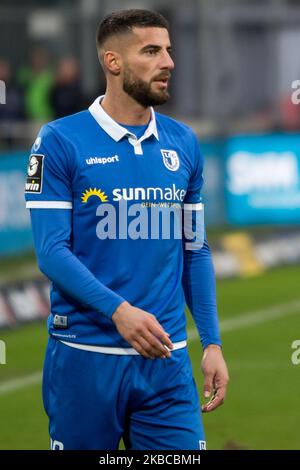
x=93 y=192
x=150 y=194
x=153 y=213
x=147 y=194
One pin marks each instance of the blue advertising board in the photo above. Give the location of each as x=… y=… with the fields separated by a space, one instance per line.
x=263 y=179
x=15 y=232
x=213 y=186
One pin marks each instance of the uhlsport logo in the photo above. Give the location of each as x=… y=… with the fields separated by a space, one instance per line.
x=170 y=159
x=102 y=160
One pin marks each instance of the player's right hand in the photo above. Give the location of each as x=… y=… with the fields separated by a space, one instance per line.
x=142 y=330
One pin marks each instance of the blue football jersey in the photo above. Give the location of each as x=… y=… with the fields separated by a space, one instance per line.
x=92 y=187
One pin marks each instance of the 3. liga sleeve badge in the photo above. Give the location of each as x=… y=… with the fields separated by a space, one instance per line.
x=34 y=174
x=170 y=159
x=33 y=166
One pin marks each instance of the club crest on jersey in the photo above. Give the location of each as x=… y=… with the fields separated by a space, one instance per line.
x=34 y=180
x=170 y=159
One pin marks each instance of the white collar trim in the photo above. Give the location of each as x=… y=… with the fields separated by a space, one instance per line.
x=114 y=129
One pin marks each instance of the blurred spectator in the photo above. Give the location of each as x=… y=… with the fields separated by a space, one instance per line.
x=13 y=110
x=37 y=80
x=66 y=95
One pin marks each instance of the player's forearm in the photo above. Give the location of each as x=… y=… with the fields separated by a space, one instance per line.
x=200 y=293
x=64 y=269
x=73 y=278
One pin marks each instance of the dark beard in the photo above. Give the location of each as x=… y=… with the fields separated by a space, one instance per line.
x=141 y=92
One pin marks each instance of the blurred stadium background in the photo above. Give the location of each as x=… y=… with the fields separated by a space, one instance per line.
x=236 y=61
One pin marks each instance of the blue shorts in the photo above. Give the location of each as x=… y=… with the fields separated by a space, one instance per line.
x=93 y=400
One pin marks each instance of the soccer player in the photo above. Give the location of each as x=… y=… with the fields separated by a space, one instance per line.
x=117 y=364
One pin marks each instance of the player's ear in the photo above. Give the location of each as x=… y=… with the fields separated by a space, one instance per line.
x=112 y=62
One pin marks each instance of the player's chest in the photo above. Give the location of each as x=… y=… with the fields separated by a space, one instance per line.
x=115 y=173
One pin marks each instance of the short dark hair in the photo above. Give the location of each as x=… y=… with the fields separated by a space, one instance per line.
x=123 y=21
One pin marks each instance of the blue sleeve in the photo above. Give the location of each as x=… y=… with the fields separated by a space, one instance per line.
x=52 y=235
x=50 y=171
x=49 y=198
x=198 y=272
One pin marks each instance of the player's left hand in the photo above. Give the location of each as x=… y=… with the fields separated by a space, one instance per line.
x=215 y=377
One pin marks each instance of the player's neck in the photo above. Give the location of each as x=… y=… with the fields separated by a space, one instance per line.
x=122 y=108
